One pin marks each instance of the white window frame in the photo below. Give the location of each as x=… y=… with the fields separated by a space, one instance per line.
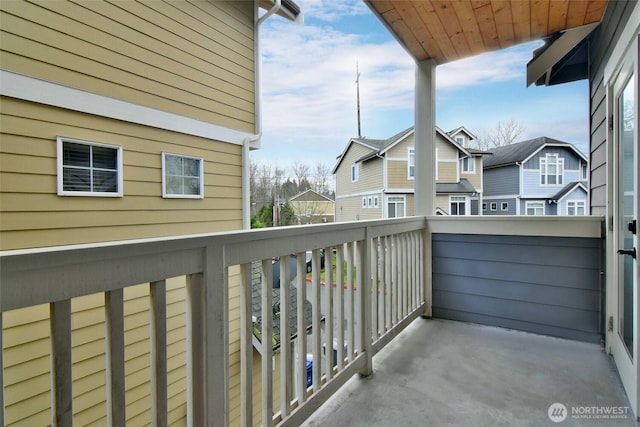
x=364 y=202
x=494 y=206
x=577 y=204
x=167 y=195
x=396 y=200
x=470 y=165
x=411 y=164
x=370 y=202
x=355 y=172
x=504 y=206
x=545 y=162
x=376 y=202
x=460 y=140
x=584 y=171
x=459 y=200
x=308 y=212
x=484 y=206
x=60 y=140
x=537 y=204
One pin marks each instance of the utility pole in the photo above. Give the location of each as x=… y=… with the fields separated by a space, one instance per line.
x=358 y=95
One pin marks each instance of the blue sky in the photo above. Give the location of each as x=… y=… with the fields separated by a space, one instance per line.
x=309 y=91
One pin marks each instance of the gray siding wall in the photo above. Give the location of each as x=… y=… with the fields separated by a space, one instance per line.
x=474 y=207
x=603 y=42
x=501 y=181
x=571 y=159
x=546 y=285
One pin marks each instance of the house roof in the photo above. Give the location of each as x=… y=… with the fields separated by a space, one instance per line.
x=568 y=189
x=310 y=196
x=380 y=146
x=453 y=133
x=522 y=151
x=256 y=309
x=288 y=9
x=448 y=30
x=462 y=187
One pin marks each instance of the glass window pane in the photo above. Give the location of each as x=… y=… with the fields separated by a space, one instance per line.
x=173 y=165
x=191 y=167
x=104 y=158
x=105 y=181
x=76 y=179
x=174 y=185
x=75 y=154
x=192 y=186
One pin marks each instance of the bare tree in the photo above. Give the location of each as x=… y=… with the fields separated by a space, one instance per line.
x=503 y=133
x=322 y=179
x=300 y=172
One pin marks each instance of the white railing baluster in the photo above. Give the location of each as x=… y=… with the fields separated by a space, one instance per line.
x=62 y=398
x=328 y=312
x=340 y=310
x=114 y=352
x=301 y=366
x=267 y=341
x=350 y=300
x=158 y=355
x=373 y=259
x=315 y=322
x=388 y=284
x=285 y=334
x=195 y=350
x=246 y=345
x=366 y=287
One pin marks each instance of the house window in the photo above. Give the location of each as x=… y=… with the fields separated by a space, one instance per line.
x=458 y=205
x=355 y=172
x=182 y=176
x=584 y=171
x=364 y=202
x=89 y=168
x=412 y=163
x=468 y=165
x=484 y=206
x=369 y=202
x=575 y=207
x=308 y=212
x=459 y=140
x=504 y=206
x=535 y=208
x=551 y=170
x=395 y=207
x=375 y=202
x=494 y=206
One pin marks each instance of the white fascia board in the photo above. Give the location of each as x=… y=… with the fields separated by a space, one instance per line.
x=28 y=88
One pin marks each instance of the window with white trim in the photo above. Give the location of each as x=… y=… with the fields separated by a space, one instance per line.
x=355 y=172
x=182 y=176
x=504 y=206
x=458 y=205
x=364 y=202
x=551 y=169
x=308 y=212
x=484 y=206
x=411 y=164
x=370 y=202
x=584 y=168
x=494 y=206
x=534 y=208
x=89 y=168
x=375 y=202
x=468 y=165
x=460 y=140
x=575 y=207
x=395 y=207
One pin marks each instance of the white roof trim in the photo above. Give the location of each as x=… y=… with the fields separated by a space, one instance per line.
x=28 y=88
x=551 y=144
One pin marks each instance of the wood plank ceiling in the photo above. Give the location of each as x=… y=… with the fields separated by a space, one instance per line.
x=447 y=30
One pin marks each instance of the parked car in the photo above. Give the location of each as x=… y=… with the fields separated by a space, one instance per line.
x=309 y=257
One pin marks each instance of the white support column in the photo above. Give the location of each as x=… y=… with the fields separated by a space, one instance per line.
x=425 y=137
x=426 y=163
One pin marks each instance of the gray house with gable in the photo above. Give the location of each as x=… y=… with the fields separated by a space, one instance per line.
x=541 y=176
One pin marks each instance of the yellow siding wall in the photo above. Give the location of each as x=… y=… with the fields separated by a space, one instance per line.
x=401 y=149
x=397 y=175
x=447 y=172
x=474 y=178
x=195 y=59
x=33 y=215
x=442 y=202
x=350 y=209
x=370 y=172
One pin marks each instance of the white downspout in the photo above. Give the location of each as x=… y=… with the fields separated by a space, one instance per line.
x=246 y=144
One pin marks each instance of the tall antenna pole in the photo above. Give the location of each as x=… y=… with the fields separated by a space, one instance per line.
x=358 y=95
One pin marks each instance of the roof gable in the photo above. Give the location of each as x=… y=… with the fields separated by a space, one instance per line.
x=520 y=152
x=461 y=129
x=310 y=196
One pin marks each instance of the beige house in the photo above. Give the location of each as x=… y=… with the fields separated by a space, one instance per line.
x=311 y=207
x=121 y=121
x=375 y=178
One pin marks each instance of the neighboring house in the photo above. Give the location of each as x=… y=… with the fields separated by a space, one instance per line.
x=121 y=121
x=375 y=177
x=541 y=176
x=311 y=207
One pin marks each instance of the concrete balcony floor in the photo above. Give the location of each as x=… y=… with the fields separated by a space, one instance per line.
x=444 y=373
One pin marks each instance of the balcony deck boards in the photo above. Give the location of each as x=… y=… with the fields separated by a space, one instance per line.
x=440 y=373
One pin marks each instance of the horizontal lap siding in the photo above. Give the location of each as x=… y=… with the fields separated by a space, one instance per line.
x=547 y=285
x=194 y=59
x=34 y=215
